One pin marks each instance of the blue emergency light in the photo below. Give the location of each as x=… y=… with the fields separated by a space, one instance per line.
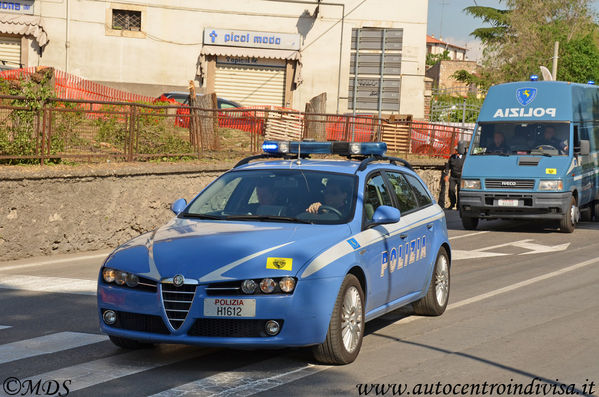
x=534 y=77
x=591 y=82
x=341 y=148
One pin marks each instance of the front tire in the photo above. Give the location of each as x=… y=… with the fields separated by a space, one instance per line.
x=126 y=343
x=568 y=221
x=469 y=222
x=346 y=329
x=437 y=296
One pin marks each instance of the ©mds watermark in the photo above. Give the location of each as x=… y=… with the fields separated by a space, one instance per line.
x=13 y=386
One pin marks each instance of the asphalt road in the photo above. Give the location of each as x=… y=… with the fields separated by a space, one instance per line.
x=522 y=319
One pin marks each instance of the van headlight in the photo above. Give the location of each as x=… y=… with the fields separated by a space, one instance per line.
x=473 y=184
x=554 y=186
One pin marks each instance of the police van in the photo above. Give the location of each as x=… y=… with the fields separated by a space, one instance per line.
x=533 y=155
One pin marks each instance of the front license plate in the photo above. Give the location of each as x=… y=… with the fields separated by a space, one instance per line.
x=507 y=203
x=221 y=307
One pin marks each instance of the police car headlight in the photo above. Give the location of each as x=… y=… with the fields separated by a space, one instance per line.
x=120 y=278
x=132 y=280
x=470 y=184
x=551 y=185
x=287 y=284
x=248 y=286
x=267 y=285
x=108 y=274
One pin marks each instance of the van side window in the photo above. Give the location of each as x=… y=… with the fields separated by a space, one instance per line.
x=376 y=195
x=404 y=193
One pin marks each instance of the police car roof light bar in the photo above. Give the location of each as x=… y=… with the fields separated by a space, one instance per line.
x=310 y=147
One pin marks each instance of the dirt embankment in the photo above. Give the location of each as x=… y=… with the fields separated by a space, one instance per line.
x=61 y=209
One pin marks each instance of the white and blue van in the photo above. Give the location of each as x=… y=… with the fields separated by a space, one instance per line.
x=533 y=155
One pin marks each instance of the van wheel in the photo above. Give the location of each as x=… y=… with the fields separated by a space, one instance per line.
x=127 y=343
x=596 y=211
x=346 y=329
x=568 y=222
x=437 y=296
x=469 y=222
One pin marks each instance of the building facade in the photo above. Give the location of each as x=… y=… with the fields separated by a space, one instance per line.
x=435 y=46
x=368 y=56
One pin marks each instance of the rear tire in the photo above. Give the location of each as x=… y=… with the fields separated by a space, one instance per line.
x=126 y=343
x=437 y=296
x=569 y=219
x=346 y=328
x=469 y=222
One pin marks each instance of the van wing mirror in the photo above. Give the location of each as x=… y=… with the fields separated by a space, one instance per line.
x=585 y=147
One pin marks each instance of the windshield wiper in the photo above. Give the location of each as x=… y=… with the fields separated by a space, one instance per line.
x=200 y=216
x=273 y=218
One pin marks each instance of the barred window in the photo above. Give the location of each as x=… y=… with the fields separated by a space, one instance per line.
x=126 y=20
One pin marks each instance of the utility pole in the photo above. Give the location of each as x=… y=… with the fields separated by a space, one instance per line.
x=555 y=58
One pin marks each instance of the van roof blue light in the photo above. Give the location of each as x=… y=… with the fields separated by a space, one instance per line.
x=341 y=148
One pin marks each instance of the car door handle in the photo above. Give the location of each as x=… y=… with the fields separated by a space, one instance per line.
x=403 y=236
x=429 y=226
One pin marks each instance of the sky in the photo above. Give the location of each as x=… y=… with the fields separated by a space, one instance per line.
x=447 y=19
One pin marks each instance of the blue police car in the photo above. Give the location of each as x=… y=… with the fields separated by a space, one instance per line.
x=284 y=251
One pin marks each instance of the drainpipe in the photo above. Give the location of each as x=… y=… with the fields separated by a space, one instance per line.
x=67 y=43
x=342 y=5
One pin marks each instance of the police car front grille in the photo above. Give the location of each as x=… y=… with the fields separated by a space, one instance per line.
x=177 y=301
x=140 y=322
x=229 y=328
x=527 y=184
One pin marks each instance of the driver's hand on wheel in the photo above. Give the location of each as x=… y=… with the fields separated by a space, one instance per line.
x=313 y=208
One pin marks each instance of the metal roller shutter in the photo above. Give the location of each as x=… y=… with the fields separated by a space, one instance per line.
x=10 y=52
x=251 y=85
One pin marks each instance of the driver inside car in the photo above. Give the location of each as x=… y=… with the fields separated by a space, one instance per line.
x=335 y=197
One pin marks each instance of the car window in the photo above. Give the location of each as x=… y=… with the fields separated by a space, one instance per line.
x=424 y=199
x=225 y=105
x=256 y=194
x=376 y=195
x=405 y=196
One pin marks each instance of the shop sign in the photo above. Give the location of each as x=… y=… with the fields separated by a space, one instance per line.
x=17 y=6
x=246 y=38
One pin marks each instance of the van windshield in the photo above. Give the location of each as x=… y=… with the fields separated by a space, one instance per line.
x=504 y=139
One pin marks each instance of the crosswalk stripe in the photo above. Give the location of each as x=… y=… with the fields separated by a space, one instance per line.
x=245 y=381
x=103 y=370
x=46 y=344
x=49 y=284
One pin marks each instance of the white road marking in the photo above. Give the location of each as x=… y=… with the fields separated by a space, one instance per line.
x=46 y=344
x=243 y=382
x=525 y=244
x=106 y=369
x=4 y=326
x=54 y=261
x=508 y=288
x=539 y=248
x=468 y=235
x=49 y=284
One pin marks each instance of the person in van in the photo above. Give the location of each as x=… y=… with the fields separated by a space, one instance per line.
x=498 y=144
x=549 y=139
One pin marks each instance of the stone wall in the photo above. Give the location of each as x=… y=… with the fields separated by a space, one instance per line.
x=47 y=211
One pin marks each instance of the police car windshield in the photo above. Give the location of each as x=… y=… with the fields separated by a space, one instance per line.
x=504 y=139
x=277 y=196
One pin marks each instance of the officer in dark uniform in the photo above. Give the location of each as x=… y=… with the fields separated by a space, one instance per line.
x=453 y=172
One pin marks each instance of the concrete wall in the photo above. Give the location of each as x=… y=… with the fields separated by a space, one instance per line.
x=48 y=211
x=166 y=52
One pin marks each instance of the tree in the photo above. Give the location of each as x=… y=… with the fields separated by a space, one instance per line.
x=432 y=59
x=521 y=38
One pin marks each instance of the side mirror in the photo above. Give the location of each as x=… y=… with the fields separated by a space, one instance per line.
x=178 y=206
x=385 y=214
x=585 y=147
